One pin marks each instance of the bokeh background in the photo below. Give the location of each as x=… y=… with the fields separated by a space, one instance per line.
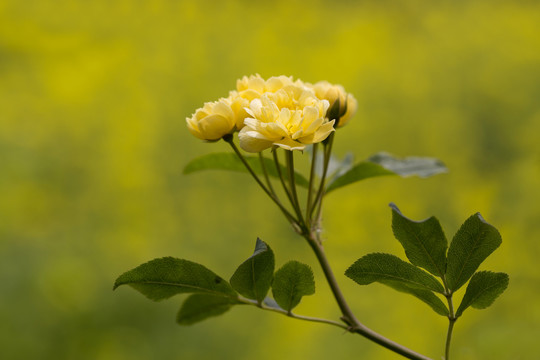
x=93 y=101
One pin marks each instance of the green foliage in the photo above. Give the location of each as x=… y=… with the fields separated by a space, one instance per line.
x=162 y=278
x=291 y=282
x=383 y=268
x=360 y=171
x=393 y=272
x=425 y=246
x=198 y=307
x=409 y=166
x=382 y=164
x=229 y=161
x=253 y=277
x=483 y=289
x=424 y=241
x=472 y=244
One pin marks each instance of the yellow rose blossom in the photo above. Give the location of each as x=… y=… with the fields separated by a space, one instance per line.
x=254 y=86
x=213 y=120
x=238 y=106
x=333 y=93
x=291 y=118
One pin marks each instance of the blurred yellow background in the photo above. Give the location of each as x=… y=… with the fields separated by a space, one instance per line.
x=93 y=101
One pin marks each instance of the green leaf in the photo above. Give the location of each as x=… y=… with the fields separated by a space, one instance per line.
x=393 y=272
x=360 y=171
x=253 y=277
x=291 y=282
x=198 y=307
x=409 y=166
x=378 y=267
x=472 y=244
x=426 y=296
x=424 y=241
x=382 y=164
x=229 y=161
x=483 y=289
x=162 y=278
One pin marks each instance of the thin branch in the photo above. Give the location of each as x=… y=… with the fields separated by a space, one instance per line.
x=291 y=315
x=451 y=321
x=356 y=326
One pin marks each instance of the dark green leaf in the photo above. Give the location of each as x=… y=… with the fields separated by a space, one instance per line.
x=291 y=282
x=253 y=277
x=360 y=171
x=378 y=267
x=162 y=278
x=393 y=272
x=424 y=241
x=409 y=166
x=483 y=289
x=472 y=244
x=198 y=307
x=229 y=161
x=426 y=296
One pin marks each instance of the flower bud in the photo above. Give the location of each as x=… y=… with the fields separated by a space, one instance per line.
x=213 y=120
x=342 y=105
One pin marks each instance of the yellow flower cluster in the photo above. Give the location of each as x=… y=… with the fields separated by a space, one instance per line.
x=275 y=112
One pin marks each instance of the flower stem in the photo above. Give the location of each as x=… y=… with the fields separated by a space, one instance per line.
x=268 y=182
x=287 y=214
x=292 y=185
x=310 y=186
x=281 y=178
x=320 y=192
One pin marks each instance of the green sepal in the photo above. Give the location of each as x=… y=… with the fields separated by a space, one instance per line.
x=162 y=278
x=333 y=113
x=253 y=277
x=229 y=161
x=483 y=289
x=472 y=244
x=424 y=241
x=198 y=307
x=291 y=282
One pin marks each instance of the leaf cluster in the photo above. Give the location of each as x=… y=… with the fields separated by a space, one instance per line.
x=211 y=295
x=434 y=268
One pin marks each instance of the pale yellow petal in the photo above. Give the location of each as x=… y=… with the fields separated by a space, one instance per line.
x=194 y=128
x=290 y=144
x=213 y=127
x=252 y=144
